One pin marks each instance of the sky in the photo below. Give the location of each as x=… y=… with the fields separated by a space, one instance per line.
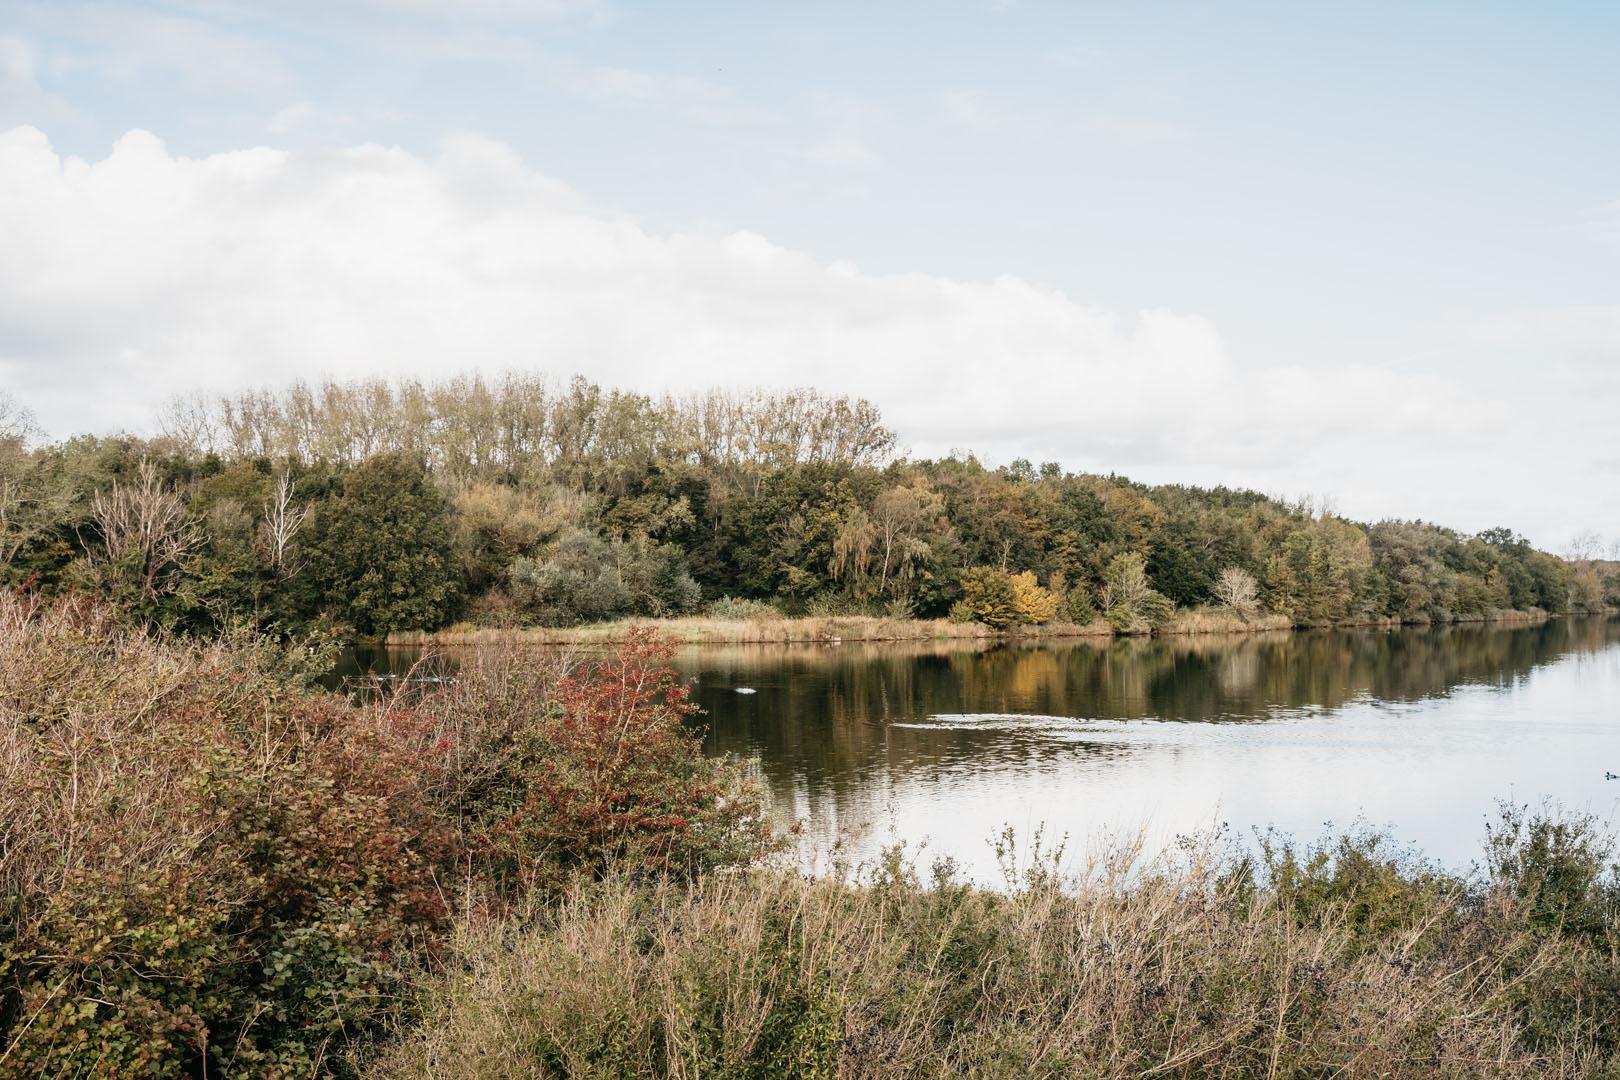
x=1366 y=253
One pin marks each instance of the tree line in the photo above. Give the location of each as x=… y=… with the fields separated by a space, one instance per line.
x=371 y=506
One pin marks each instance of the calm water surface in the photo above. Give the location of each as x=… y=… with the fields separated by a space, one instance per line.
x=1420 y=730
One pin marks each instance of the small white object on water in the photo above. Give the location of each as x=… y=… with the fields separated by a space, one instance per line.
x=746 y=690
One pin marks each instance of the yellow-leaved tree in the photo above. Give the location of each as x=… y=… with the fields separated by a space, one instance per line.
x=1034 y=604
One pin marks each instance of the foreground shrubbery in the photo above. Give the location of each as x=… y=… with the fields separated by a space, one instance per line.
x=1344 y=960
x=200 y=863
x=206 y=868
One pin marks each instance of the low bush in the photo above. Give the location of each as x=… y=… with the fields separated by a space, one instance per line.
x=587 y=578
x=733 y=608
x=1000 y=599
x=560 y=767
x=208 y=868
x=203 y=866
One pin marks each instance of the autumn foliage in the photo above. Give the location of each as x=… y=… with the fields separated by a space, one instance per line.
x=208 y=869
x=623 y=783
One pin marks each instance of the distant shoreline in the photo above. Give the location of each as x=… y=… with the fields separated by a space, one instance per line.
x=867 y=628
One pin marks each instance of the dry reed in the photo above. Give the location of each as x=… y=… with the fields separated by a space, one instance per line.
x=1173 y=969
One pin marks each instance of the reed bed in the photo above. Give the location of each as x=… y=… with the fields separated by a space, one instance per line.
x=854 y=628
x=1183 y=968
x=710 y=631
x=1213 y=620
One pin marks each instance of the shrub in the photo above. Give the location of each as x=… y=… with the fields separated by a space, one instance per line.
x=832 y=605
x=586 y=578
x=731 y=607
x=583 y=768
x=991 y=597
x=381 y=557
x=208 y=869
x=1356 y=967
x=658 y=580
x=999 y=599
x=1561 y=867
x=204 y=868
x=1236 y=589
x=494 y=524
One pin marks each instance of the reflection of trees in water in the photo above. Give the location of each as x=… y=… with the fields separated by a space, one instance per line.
x=820 y=720
x=1239 y=672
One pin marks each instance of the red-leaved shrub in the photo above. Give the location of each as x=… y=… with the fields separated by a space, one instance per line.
x=604 y=772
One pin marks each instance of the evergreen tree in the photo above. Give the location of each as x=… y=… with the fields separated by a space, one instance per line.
x=381 y=554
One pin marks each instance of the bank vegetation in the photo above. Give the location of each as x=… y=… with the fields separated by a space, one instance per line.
x=374 y=508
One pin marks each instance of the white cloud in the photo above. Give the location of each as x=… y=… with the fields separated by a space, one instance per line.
x=1591 y=332
x=301 y=117
x=130 y=278
x=305 y=123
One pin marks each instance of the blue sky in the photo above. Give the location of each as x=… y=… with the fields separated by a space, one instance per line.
x=1374 y=247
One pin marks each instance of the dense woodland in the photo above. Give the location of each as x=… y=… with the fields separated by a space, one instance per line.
x=372 y=506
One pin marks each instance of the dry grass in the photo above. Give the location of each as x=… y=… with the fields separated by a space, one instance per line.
x=1172 y=970
x=853 y=628
x=1220 y=620
x=706 y=631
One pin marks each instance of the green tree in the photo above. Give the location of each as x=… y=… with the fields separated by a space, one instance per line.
x=1130 y=603
x=381 y=554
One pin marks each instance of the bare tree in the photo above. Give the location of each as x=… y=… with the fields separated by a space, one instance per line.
x=16 y=422
x=1237 y=589
x=145 y=526
x=1125 y=583
x=192 y=420
x=1584 y=547
x=282 y=524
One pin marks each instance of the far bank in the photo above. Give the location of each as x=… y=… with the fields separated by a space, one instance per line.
x=857 y=628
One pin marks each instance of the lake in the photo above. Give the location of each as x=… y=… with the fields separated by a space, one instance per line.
x=943 y=745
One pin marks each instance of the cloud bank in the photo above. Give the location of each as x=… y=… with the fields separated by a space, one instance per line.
x=131 y=278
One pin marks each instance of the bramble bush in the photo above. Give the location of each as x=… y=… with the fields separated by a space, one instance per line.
x=590 y=767
x=208 y=868
x=203 y=865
